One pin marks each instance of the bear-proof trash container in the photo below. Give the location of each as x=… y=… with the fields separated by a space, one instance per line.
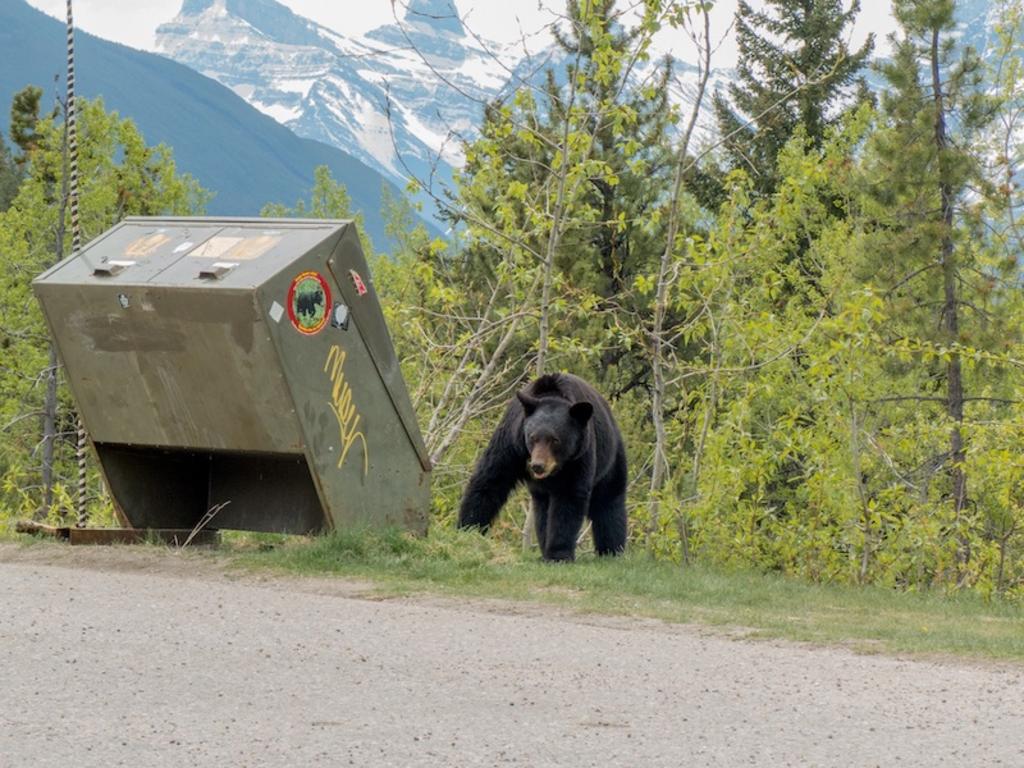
x=242 y=365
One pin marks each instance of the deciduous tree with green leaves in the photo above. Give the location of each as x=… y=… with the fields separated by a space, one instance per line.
x=850 y=420
x=328 y=199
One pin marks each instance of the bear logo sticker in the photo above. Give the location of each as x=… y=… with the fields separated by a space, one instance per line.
x=309 y=302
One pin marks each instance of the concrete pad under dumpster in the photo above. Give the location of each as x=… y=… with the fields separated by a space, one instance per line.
x=242 y=364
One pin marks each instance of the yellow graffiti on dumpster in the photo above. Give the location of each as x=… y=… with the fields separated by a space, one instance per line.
x=344 y=408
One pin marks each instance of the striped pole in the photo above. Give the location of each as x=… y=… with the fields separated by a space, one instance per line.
x=76 y=229
x=82 y=443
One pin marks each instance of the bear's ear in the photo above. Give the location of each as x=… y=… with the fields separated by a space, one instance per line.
x=581 y=412
x=529 y=403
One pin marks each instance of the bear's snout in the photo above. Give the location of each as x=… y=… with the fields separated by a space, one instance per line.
x=540 y=471
x=542 y=463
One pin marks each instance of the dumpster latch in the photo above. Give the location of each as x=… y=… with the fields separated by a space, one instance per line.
x=111 y=268
x=217 y=270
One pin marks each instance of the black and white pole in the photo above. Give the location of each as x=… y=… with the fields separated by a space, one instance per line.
x=72 y=118
x=81 y=447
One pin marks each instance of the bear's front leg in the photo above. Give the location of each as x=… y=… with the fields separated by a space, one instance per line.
x=565 y=518
x=501 y=467
x=541 y=502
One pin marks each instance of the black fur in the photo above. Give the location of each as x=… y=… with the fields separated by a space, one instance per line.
x=589 y=480
x=308 y=303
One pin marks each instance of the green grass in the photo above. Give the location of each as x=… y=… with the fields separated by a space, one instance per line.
x=867 y=619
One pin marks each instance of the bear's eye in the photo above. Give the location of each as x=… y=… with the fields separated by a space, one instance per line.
x=555 y=442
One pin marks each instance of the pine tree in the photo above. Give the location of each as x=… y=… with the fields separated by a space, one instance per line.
x=9 y=176
x=795 y=68
x=926 y=254
x=25 y=121
x=635 y=152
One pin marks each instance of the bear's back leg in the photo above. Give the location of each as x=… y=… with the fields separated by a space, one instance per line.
x=608 y=523
x=607 y=511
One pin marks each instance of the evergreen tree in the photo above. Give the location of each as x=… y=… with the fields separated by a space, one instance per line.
x=25 y=121
x=636 y=152
x=927 y=253
x=795 y=68
x=9 y=176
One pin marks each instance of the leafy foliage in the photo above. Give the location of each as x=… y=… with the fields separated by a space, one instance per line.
x=328 y=199
x=807 y=412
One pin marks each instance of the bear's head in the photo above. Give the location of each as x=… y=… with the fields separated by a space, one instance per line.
x=554 y=430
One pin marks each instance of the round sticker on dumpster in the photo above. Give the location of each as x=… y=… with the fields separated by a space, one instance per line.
x=309 y=302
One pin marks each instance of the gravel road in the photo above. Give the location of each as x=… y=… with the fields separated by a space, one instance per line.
x=118 y=657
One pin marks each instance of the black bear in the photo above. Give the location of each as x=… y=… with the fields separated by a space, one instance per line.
x=308 y=304
x=558 y=436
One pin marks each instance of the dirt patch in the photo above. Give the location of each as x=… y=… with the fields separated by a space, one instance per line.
x=192 y=564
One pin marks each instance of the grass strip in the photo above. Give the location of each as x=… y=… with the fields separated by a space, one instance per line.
x=867 y=619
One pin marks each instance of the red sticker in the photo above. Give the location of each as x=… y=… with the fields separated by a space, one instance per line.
x=309 y=302
x=357 y=281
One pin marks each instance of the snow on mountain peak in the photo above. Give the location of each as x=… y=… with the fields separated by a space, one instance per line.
x=268 y=17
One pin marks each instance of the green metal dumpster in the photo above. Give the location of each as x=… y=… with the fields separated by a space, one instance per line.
x=242 y=365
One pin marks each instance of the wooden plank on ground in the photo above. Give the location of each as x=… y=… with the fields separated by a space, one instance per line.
x=31 y=526
x=174 y=537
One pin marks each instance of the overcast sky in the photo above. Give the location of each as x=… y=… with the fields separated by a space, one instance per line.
x=134 y=22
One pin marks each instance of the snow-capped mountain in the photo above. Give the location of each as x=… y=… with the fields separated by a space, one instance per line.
x=400 y=98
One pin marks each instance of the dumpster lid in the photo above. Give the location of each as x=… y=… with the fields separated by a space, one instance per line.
x=211 y=252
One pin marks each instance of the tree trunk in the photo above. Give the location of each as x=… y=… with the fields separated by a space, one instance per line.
x=865 y=509
x=555 y=235
x=950 y=320
x=49 y=431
